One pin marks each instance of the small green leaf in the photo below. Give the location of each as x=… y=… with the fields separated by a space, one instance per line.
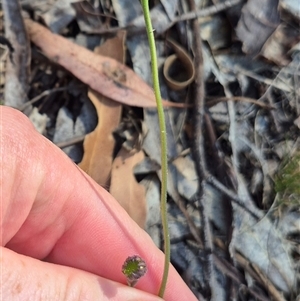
x=287 y=180
x=134 y=268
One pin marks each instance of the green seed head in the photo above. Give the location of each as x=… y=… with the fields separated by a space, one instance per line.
x=134 y=268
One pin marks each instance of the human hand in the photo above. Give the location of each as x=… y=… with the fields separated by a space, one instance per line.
x=63 y=237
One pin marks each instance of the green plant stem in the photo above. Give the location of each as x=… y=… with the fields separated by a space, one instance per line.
x=163 y=140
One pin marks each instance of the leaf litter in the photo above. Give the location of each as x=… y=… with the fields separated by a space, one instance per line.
x=124 y=186
x=250 y=129
x=99 y=145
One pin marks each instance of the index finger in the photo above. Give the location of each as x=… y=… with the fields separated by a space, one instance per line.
x=51 y=209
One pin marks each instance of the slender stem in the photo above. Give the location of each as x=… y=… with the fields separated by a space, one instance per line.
x=163 y=139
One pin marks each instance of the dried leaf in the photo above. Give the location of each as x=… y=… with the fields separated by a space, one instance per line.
x=292 y=7
x=216 y=31
x=126 y=10
x=103 y=74
x=187 y=180
x=151 y=142
x=99 y=145
x=153 y=221
x=171 y=8
x=263 y=245
x=85 y=20
x=179 y=61
x=66 y=129
x=124 y=187
x=39 y=120
x=18 y=63
x=258 y=20
x=277 y=47
x=59 y=15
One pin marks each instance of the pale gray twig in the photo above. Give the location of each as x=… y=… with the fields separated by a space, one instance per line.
x=194 y=14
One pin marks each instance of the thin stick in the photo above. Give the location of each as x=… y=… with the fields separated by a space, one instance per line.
x=199 y=152
x=163 y=139
x=194 y=14
x=203 y=12
x=37 y=98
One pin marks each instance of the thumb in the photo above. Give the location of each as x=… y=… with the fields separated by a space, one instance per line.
x=26 y=278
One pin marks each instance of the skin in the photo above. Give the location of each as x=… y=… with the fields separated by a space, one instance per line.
x=63 y=237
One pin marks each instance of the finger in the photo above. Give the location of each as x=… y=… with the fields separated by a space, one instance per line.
x=51 y=209
x=25 y=278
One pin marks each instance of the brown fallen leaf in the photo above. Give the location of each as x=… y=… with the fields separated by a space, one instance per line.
x=181 y=79
x=103 y=74
x=124 y=187
x=99 y=144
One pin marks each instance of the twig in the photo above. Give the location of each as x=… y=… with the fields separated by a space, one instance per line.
x=236 y=276
x=38 y=97
x=214 y=101
x=274 y=114
x=97 y=14
x=6 y=42
x=240 y=200
x=198 y=150
x=211 y=10
x=268 y=81
x=232 y=195
x=70 y=142
x=269 y=285
x=258 y=276
x=194 y=14
x=192 y=227
x=228 y=269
